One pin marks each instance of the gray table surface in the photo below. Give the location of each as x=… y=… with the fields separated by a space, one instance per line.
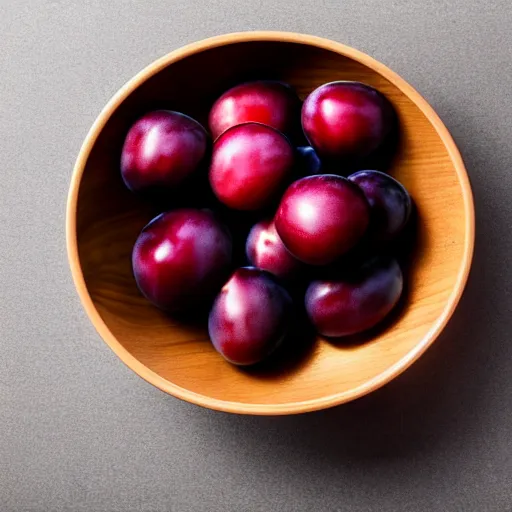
x=80 y=432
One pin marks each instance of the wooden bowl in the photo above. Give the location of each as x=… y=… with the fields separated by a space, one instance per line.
x=104 y=219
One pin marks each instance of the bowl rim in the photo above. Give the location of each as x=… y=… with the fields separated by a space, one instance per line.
x=263 y=408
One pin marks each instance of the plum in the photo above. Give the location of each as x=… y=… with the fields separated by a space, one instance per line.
x=250 y=164
x=162 y=149
x=250 y=316
x=268 y=102
x=266 y=251
x=346 y=120
x=390 y=203
x=181 y=258
x=307 y=161
x=352 y=303
x=321 y=217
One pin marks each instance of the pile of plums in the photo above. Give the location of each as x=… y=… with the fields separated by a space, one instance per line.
x=317 y=241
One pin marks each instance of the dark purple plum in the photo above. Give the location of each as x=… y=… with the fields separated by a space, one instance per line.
x=321 y=217
x=307 y=162
x=268 y=102
x=181 y=259
x=162 y=149
x=250 y=164
x=390 y=203
x=265 y=250
x=250 y=316
x=346 y=120
x=356 y=302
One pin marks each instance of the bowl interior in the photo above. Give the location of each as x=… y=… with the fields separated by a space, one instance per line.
x=179 y=355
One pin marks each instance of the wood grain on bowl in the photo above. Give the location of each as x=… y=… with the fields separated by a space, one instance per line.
x=104 y=219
